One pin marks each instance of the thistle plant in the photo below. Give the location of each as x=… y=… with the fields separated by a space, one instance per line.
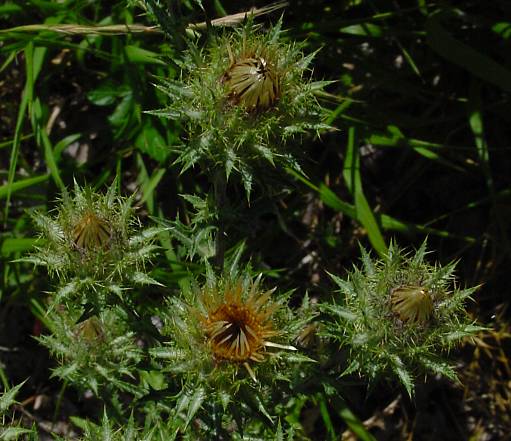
x=240 y=99
x=93 y=246
x=98 y=352
x=230 y=342
x=399 y=316
x=10 y=427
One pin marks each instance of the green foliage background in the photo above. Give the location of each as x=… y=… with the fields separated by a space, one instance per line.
x=420 y=147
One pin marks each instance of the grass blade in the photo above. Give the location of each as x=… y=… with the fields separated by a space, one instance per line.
x=354 y=423
x=464 y=56
x=388 y=223
x=25 y=98
x=7 y=189
x=363 y=212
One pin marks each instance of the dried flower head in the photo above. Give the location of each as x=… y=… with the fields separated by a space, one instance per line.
x=92 y=245
x=252 y=80
x=412 y=303
x=90 y=330
x=237 y=326
x=241 y=99
x=90 y=232
x=399 y=315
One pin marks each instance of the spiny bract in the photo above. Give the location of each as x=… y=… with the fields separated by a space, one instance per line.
x=241 y=99
x=398 y=316
x=91 y=243
x=230 y=341
x=98 y=352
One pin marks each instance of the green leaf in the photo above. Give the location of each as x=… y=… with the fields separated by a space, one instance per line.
x=130 y=432
x=387 y=222
x=9 y=8
x=344 y=313
x=26 y=99
x=195 y=403
x=120 y=116
x=140 y=278
x=395 y=138
x=463 y=55
x=503 y=29
x=7 y=189
x=325 y=415
x=155 y=379
x=51 y=161
x=106 y=430
x=7 y=398
x=14 y=433
x=152 y=143
x=333 y=201
x=138 y=55
x=353 y=422
x=476 y=124
x=262 y=408
x=279 y=436
x=402 y=373
x=365 y=30
x=64 y=143
x=107 y=93
x=363 y=212
x=16 y=245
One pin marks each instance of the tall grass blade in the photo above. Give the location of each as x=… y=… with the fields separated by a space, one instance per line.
x=363 y=212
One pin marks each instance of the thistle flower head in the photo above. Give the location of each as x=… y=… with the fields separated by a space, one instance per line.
x=230 y=338
x=93 y=353
x=253 y=79
x=238 y=329
x=90 y=232
x=236 y=320
x=241 y=99
x=91 y=244
x=412 y=303
x=91 y=330
x=398 y=315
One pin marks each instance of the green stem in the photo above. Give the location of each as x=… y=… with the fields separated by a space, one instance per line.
x=220 y=186
x=59 y=401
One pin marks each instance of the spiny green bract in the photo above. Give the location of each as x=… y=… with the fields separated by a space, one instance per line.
x=397 y=316
x=10 y=422
x=97 y=353
x=241 y=99
x=230 y=343
x=93 y=246
x=154 y=428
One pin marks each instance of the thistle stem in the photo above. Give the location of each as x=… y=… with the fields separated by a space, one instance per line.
x=220 y=186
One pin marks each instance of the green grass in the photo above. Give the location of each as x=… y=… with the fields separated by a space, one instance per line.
x=420 y=147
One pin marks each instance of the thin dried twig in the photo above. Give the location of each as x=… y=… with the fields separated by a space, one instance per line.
x=76 y=29
x=234 y=19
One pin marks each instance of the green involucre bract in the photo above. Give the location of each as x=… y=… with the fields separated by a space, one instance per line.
x=398 y=316
x=94 y=353
x=230 y=341
x=93 y=244
x=241 y=99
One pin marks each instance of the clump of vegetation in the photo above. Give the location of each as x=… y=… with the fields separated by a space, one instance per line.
x=230 y=341
x=94 y=247
x=241 y=99
x=98 y=353
x=398 y=316
x=222 y=322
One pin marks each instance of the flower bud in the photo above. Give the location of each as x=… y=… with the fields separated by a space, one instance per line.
x=412 y=303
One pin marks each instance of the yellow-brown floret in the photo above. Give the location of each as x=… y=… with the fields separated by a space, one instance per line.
x=91 y=232
x=237 y=329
